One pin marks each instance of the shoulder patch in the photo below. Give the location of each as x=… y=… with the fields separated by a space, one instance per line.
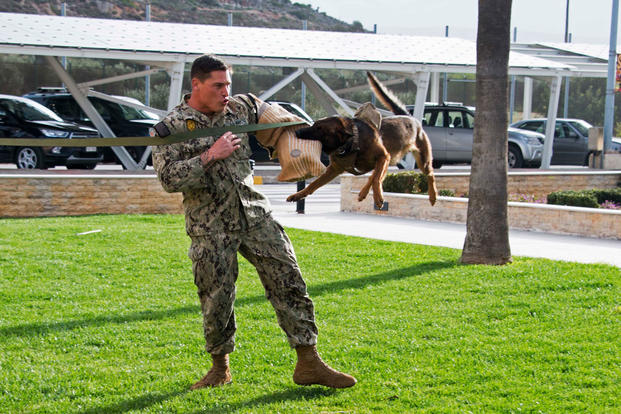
x=191 y=124
x=161 y=129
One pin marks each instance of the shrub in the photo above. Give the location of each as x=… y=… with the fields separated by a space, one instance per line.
x=409 y=182
x=446 y=193
x=573 y=198
x=603 y=195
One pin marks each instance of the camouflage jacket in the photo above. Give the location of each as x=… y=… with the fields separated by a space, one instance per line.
x=221 y=197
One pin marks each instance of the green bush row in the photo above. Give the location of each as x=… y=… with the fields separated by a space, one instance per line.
x=585 y=198
x=411 y=182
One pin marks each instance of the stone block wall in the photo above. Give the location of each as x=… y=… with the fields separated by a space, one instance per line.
x=536 y=183
x=579 y=221
x=66 y=195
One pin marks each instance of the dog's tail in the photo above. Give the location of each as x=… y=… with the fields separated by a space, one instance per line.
x=386 y=97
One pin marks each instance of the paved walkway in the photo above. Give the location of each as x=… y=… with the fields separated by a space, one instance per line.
x=322 y=213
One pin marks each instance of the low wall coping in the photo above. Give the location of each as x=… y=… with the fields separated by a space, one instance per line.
x=511 y=203
x=531 y=173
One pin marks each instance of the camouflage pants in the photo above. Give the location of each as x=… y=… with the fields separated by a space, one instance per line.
x=267 y=247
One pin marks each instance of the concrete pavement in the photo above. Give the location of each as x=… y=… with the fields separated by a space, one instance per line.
x=323 y=214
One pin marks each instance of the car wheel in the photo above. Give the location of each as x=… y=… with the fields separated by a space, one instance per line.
x=514 y=157
x=436 y=164
x=29 y=158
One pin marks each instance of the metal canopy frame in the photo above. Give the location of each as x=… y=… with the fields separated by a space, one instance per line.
x=169 y=46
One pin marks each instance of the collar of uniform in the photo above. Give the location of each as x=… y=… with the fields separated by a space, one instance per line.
x=190 y=113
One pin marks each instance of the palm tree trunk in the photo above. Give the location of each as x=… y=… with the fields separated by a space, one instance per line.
x=487 y=235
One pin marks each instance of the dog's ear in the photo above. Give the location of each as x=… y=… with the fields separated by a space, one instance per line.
x=347 y=126
x=368 y=113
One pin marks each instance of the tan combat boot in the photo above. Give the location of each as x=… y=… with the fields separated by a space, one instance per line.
x=310 y=369
x=218 y=375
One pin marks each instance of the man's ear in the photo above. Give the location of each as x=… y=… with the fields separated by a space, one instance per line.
x=195 y=83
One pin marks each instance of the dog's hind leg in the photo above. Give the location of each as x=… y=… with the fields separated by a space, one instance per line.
x=427 y=169
x=375 y=181
x=328 y=175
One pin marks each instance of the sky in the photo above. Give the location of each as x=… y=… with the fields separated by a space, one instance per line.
x=535 y=20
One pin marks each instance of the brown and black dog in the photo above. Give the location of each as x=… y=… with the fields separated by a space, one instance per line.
x=367 y=142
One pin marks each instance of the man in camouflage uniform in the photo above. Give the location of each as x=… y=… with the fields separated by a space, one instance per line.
x=225 y=214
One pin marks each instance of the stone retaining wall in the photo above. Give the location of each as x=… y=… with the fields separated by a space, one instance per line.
x=579 y=221
x=537 y=183
x=68 y=195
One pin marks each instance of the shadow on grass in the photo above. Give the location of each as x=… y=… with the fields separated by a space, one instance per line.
x=292 y=394
x=33 y=329
x=137 y=403
x=147 y=400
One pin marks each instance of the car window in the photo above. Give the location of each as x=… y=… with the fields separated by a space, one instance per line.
x=434 y=118
x=456 y=119
x=103 y=108
x=568 y=132
x=67 y=109
x=536 y=126
x=28 y=110
x=581 y=126
x=469 y=120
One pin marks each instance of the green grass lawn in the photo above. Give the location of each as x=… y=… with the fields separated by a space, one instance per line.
x=109 y=322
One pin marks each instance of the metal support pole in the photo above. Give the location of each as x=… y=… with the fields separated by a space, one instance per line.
x=512 y=89
x=567 y=22
x=610 y=84
x=527 y=105
x=147 y=78
x=63 y=12
x=435 y=88
x=176 y=84
x=300 y=204
x=555 y=91
x=566 y=102
x=445 y=82
x=512 y=99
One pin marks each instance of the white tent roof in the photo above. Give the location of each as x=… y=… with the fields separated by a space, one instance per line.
x=174 y=42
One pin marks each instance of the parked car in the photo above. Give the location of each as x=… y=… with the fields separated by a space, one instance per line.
x=450 y=128
x=124 y=121
x=571 y=139
x=260 y=154
x=24 y=118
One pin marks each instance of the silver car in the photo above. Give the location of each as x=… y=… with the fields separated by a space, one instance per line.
x=451 y=127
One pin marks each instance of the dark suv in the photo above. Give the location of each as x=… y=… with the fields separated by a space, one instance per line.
x=124 y=121
x=23 y=118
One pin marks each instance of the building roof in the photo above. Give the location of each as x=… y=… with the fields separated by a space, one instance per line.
x=589 y=60
x=174 y=42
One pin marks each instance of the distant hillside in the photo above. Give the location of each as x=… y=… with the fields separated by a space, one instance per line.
x=251 y=13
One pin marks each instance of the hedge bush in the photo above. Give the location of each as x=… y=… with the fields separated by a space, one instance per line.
x=573 y=198
x=409 y=182
x=603 y=195
x=586 y=198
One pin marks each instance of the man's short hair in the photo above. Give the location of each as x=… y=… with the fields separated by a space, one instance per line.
x=204 y=65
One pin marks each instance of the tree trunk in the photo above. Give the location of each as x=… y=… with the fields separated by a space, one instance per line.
x=487 y=235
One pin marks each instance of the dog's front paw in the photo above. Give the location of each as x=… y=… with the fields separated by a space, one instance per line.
x=294 y=197
x=379 y=201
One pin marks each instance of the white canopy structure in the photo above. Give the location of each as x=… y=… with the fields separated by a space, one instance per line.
x=169 y=46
